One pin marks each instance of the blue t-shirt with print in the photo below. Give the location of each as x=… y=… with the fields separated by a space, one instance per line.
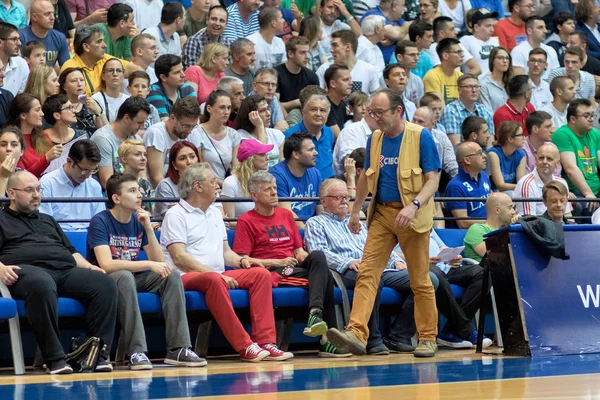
x=289 y=185
x=508 y=165
x=463 y=185
x=387 y=185
x=57 y=48
x=124 y=240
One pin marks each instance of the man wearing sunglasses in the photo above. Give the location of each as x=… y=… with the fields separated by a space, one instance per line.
x=74 y=180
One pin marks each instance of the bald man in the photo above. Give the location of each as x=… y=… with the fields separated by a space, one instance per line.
x=38 y=263
x=500 y=213
x=471 y=181
x=547 y=159
x=41 y=29
x=424 y=116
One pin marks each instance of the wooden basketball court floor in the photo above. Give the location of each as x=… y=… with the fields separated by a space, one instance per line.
x=452 y=374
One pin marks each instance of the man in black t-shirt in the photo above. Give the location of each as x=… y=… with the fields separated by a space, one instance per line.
x=339 y=85
x=292 y=75
x=37 y=262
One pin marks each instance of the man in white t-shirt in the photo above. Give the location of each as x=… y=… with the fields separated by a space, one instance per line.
x=159 y=138
x=16 y=70
x=563 y=92
x=481 y=43
x=330 y=13
x=144 y=51
x=146 y=14
x=530 y=186
x=194 y=241
x=444 y=28
x=373 y=27
x=270 y=49
x=351 y=138
x=344 y=45
x=535 y=27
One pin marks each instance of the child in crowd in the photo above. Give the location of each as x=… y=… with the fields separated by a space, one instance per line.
x=134 y=158
x=34 y=53
x=358 y=101
x=138 y=85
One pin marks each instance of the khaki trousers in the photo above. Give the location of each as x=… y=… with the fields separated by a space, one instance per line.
x=381 y=240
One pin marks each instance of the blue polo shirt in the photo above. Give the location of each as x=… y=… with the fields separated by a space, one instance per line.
x=463 y=185
x=387 y=51
x=323 y=145
x=387 y=185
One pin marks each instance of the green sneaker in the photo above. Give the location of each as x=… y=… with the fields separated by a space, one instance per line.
x=327 y=350
x=426 y=348
x=315 y=326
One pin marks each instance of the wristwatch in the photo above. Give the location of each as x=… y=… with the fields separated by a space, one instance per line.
x=417 y=203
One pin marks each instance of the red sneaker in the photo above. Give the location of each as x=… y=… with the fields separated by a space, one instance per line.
x=254 y=353
x=275 y=354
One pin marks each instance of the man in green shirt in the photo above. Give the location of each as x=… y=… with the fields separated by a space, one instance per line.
x=579 y=144
x=500 y=213
x=118 y=30
x=195 y=18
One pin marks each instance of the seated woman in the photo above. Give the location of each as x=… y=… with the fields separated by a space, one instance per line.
x=25 y=112
x=507 y=159
x=252 y=157
x=219 y=142
x=134 y=158
x=59 y=112
x=310 y=28
x=204 y=76
x=42 y=82
x=181 y=156
x=493 y=93
x=252 y=119
x=88 y=112
x=12 y=144
x=111 y=96
x=139 y=86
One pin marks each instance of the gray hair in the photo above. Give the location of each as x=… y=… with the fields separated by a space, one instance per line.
x=226 y=83
x=371 y=22
x=265 y=71
x=194 y=173
x=238 y=44
x=83 y=35
x=319 y=97
x=327 y=183
x=258 y=178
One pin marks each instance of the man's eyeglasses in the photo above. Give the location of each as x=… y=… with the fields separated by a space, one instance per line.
x=478 y=154
x=29 y=190
x=378 y=114
x=86 y=171
x=186 y=126
x=339 y=198
x=14 y=39
x=470 y=87
x=587 y=115
x=267 y=84
x=112 y=71
x=535 y=61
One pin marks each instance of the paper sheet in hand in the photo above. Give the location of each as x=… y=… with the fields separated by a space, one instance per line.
x=449 y=253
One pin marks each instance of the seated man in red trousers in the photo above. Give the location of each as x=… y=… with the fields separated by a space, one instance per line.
x=194 y=240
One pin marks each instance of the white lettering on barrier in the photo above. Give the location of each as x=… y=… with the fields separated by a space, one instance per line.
x=590 y=294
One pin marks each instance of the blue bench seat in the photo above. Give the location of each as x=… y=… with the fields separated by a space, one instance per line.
x=8 y=308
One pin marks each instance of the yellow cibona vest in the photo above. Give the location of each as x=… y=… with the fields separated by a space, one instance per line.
x=410 y=176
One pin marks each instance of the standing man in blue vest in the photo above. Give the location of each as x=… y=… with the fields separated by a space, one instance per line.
x=401 y=173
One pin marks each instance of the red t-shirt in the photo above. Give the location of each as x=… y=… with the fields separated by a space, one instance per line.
x=509 y=35
x=264 y=237
x=31 y=161
x=509 y=113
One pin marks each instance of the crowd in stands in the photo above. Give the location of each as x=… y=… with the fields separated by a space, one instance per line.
x=136 y=99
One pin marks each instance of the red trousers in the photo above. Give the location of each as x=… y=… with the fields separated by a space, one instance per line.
x=258 y=283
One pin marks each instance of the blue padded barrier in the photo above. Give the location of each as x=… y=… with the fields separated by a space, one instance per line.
x=66 y=308
x=8 y=308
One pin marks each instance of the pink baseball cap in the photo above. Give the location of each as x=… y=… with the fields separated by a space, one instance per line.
x=250 y=147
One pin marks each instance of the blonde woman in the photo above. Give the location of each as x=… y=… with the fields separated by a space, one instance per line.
x=111 y=96
x=42 y=82
x=252 y=156
x=204 y=76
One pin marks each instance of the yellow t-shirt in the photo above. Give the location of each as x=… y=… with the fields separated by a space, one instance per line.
x=92 y=76
x=436 y=81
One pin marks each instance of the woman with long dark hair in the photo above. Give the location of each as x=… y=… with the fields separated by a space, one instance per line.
x=493 y=93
